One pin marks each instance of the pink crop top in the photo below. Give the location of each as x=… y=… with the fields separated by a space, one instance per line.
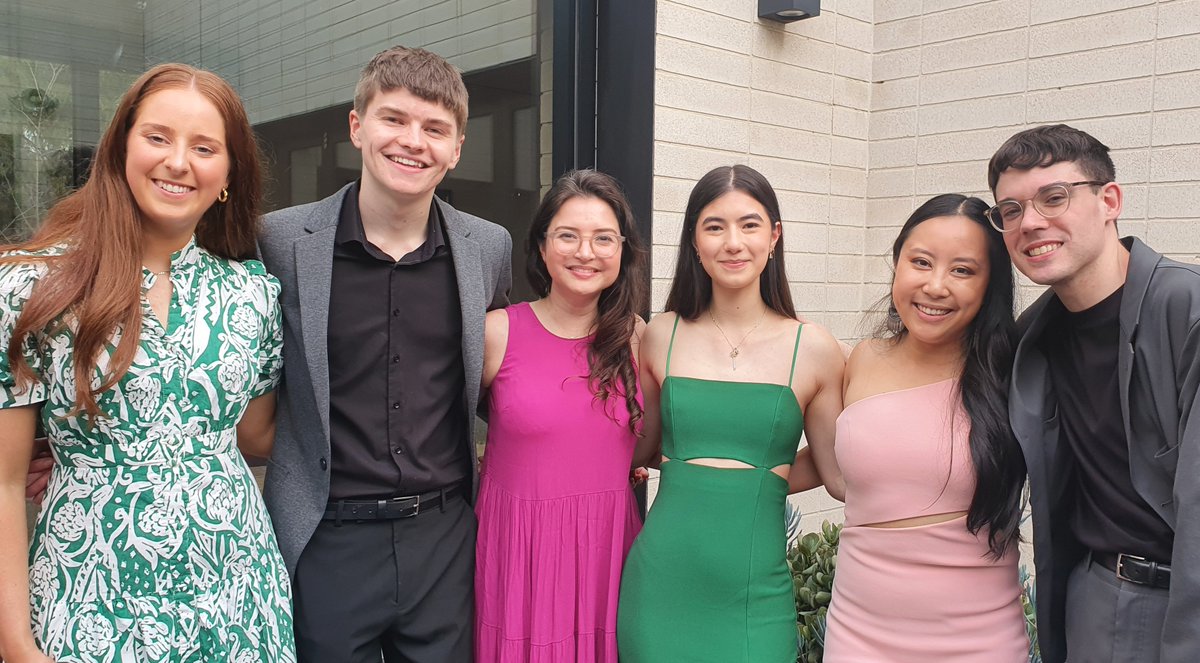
x=905 y=454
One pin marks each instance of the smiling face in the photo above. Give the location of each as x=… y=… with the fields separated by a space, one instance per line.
x=734 y=237
x=941 y=278
x=176 y=161
x=580 y=271
x=408 y=144
x=1062 y=251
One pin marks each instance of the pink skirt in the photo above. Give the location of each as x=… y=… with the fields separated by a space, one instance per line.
x=547 y=573
x=920 y=594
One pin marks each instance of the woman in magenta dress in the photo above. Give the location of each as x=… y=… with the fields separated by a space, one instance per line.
x=927 y=564
x=557 y=514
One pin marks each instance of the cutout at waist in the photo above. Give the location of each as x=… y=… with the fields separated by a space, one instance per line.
x=918 y=521
x=730 y=464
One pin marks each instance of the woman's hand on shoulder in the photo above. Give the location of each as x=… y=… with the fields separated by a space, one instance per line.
x=495 y=344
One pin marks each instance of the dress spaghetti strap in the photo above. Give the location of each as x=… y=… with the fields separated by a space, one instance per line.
x=672 y=345
x=795 y=351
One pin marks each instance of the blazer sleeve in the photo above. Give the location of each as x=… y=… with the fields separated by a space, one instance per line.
x=1181 y=637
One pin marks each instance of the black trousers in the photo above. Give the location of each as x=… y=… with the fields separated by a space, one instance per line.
x=402 y=589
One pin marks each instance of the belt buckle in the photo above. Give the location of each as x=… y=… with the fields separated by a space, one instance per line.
x=403 y=507
x=1121 y=557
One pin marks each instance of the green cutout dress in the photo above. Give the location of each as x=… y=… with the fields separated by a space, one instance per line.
x=707 y=579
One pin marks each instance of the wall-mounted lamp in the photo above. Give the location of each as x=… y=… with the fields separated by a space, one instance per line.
x=786 y=11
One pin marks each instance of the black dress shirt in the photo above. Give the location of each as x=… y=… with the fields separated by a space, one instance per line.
x=397 y=422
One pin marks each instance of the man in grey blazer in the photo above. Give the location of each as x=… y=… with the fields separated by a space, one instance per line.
x=1104 y=403
x=385 y=288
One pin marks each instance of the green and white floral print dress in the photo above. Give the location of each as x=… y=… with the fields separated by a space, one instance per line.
x=153 y=543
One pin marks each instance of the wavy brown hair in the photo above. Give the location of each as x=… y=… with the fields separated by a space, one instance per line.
x=611 y=367
x=97 y=279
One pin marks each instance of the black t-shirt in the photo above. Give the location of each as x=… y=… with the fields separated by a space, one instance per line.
x=1109 y=515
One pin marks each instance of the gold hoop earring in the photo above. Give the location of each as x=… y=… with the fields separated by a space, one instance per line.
x=223 y=196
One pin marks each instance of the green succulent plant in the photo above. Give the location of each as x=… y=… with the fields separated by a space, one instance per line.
x=812 y=562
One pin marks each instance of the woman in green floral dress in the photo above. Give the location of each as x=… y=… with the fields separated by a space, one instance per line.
x=134 y=328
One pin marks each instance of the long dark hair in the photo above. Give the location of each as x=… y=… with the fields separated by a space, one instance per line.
x=611 y=369
x=691 y=289
x=98 y=278
x=988 y=346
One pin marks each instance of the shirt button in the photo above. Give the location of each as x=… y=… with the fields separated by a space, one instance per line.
x=398 y=450
x=395 y=359
x=395 y=313
x=324 y=463
x=395 y=406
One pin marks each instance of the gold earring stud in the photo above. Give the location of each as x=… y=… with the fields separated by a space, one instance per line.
x=223 y=196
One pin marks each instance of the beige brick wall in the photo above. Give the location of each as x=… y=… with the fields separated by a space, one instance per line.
x=951 y=83
x=790 y=101
x=862 y=113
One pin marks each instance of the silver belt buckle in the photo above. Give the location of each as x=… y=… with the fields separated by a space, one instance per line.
x=1121 y=557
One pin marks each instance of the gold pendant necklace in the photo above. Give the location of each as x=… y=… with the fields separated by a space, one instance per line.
x=733 y=349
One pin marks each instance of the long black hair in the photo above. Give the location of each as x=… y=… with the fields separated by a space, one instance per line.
x=988 y=346
x=611 y=369
x=691 y=289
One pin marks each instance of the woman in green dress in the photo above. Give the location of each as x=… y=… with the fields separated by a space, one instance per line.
x=737 y=378
x=134 y=328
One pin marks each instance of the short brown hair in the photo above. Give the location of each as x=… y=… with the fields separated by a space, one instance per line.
x=1047 y=145
x=425 y=74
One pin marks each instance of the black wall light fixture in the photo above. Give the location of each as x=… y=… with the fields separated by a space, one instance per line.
x=786 y=11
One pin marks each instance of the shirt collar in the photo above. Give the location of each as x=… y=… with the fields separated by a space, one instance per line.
x=350 y=227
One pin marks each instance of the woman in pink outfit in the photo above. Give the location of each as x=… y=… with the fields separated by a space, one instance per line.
x=556 y=510
x=927 y=564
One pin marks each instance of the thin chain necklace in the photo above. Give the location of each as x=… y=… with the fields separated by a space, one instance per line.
x=733 y=349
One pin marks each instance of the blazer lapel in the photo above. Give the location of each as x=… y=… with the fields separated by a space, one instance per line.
x=314 y=276
x=471 y=296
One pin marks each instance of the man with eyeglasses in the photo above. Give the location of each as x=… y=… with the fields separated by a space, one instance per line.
x=1104 y=403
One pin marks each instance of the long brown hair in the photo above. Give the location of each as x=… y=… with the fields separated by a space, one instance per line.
x=691 y=289
x=97 y=279
x=610 y=359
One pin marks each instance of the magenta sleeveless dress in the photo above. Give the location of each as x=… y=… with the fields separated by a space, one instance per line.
x=924 y=593
x=557 y=515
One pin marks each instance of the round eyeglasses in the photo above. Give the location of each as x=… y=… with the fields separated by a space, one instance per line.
x=567 y=242
x=1050 y=201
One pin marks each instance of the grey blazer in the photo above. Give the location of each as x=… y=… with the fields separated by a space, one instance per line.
x=297 y=247
x=1158 y=370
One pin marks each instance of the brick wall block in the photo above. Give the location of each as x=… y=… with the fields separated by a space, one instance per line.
x=971 y=20
x=688 y=58
x=1092 y=32
x=1049 y=12
x=789 y=79
x=789 y=143
x=1178 y=18
x=686 y=127
x=989 y=81
x=1120 y=98
x=703 y=27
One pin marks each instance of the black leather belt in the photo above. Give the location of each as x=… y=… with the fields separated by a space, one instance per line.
x=1136 y=569
x=396 y=507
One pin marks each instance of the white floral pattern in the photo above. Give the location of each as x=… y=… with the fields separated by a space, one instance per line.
x=153 y=543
